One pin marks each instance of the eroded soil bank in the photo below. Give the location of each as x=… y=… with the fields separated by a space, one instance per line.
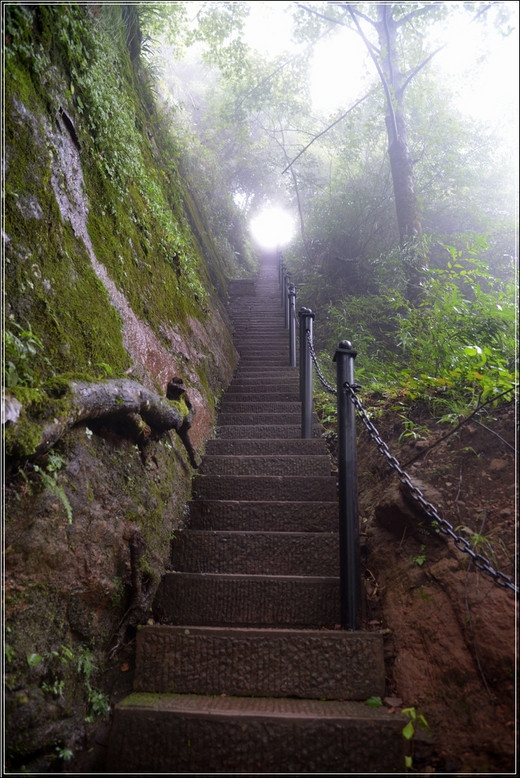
x=450 y=630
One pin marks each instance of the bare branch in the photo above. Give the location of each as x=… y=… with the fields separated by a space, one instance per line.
x=419 y=67
x=322 y=16
x=324 y=131
x=358 y=13
x=417 y=12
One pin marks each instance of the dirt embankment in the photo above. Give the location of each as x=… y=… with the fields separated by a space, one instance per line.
x=450 y=629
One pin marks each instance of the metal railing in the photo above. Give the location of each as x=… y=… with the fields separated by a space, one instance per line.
x=347 y=404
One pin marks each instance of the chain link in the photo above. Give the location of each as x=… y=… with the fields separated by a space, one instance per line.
x=444 y=526
x=320 y=375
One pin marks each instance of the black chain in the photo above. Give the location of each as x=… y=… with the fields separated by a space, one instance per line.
x=444 y=526
x=463 y=544
x=320 y=375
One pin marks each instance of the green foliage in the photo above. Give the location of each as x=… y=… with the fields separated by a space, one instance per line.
x=419 y=559
x=24 y=357
x=454 y=350
x=374 y=702
x=56 y=662
x=415 y=721
x=49 y=479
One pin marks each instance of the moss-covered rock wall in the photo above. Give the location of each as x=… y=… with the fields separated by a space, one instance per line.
x=104 y=278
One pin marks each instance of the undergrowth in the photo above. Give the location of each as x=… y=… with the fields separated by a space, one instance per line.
x=453 y=351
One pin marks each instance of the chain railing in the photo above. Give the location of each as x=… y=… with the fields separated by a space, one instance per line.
x=461 y=543
x=347 y=404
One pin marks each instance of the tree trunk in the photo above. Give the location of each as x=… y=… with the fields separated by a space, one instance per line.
x=406 y=203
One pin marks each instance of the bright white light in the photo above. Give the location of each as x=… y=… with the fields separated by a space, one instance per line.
x=273 y=227
x=269 y=27
x=340 y=72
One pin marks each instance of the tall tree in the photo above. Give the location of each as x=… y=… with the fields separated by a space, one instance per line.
x=394 y=35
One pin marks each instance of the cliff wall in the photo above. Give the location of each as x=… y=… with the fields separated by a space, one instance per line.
x=111 y=272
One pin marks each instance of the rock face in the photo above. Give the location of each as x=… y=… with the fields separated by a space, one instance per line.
x=104 y=279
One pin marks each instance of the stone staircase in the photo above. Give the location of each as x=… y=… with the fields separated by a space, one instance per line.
x=244 y=671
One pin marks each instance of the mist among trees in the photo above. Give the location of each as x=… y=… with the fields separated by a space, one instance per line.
x=404 y=203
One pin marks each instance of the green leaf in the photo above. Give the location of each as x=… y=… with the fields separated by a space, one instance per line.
x=408 y=731
x=34 y=659
x=374 y=702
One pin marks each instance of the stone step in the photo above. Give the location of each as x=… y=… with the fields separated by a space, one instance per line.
x=323 y=665
x=266 y=407
x=270 y=373
x=244 y=383
x=247 y=395
x=273 y=418
x=263 y=350
x=267 y=358
x=241 y=431
x=255 y=386
x=261 y=340
x=233 y=464
x=266 y=515
x=265 y=487
x=177 y=733
x=256 y=553
x=301 y=447
x=219 y=600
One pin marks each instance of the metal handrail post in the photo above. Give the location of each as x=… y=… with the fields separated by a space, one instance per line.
x=286 y=300
x=350 y=584
x=292 y=325
x=282 y=283
x=306 y=324
x=280 y=266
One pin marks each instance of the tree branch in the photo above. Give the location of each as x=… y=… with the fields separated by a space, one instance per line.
x=321 y=16
x=358 y=13
x=419 y=67
x=323 y=132
x=417 y=12
x=378 y=68
x=455 y=429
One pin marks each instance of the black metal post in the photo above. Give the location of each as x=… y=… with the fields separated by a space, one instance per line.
x=292 y=326
x=348 y=503
x=280 y=266
x=286 y=308
x=306 y=320
x=282 y=284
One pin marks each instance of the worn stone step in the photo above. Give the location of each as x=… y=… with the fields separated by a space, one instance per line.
x=255 y=386
x=262 y=340
x=244 y=383
x=265 y=487
x=250 y=396
x=301 y=447
x=246 y=373
x=268 y=407
x=260 y=363
x=177 y=733
x=241 y=431
x=273 y=418
x=218 y=600
x=256 y=553
x=266 y=356
x=309 y=664
x=232 y=464
x=266 y=515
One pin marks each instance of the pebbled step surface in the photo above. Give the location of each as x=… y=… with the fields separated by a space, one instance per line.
x=239 y=734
